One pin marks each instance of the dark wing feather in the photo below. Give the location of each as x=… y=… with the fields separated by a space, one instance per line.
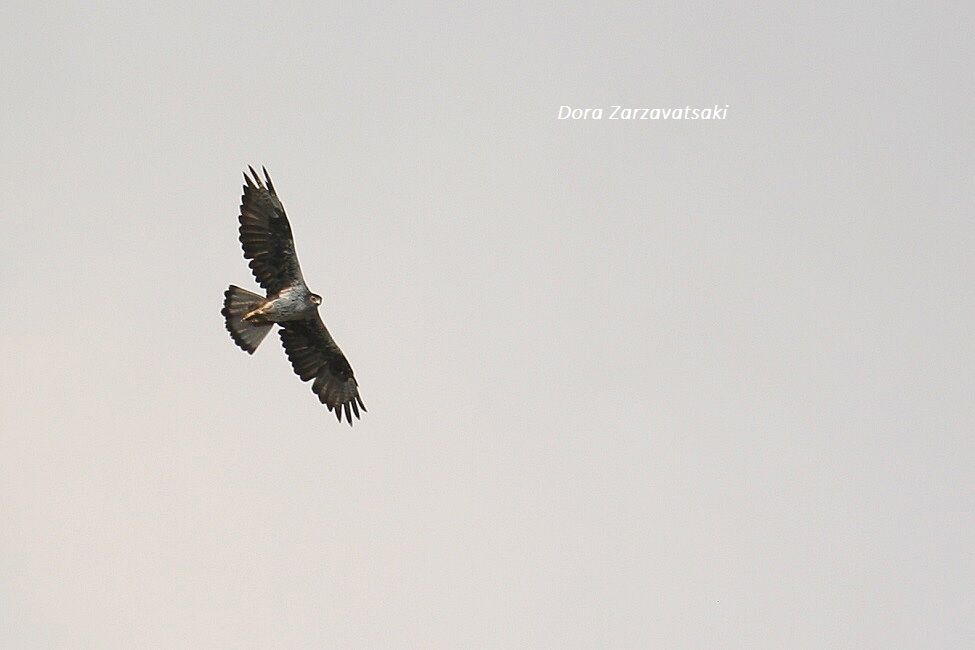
x=314 y=355
x=265 y=235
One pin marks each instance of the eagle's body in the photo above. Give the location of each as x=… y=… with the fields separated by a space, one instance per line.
x=291 y=303
x=267 y=241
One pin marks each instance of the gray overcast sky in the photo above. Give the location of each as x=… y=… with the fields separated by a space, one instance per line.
x=677 y=384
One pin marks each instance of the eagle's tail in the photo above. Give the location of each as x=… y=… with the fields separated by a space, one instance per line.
x=236 y=303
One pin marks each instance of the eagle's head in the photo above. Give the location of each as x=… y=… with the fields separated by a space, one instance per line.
x=315 y=299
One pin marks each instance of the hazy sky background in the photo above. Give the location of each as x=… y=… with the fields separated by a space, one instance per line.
x=630 y=385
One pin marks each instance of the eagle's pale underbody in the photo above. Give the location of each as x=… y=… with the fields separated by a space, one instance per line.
x=269 y=245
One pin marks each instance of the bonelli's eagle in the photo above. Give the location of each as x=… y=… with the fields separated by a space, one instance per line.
x=266 y=237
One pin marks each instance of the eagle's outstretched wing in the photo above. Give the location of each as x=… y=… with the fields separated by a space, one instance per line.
x=314 y=355
x=266 y=236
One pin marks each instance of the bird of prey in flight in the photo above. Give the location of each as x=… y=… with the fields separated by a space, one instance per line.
x=268 y=243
